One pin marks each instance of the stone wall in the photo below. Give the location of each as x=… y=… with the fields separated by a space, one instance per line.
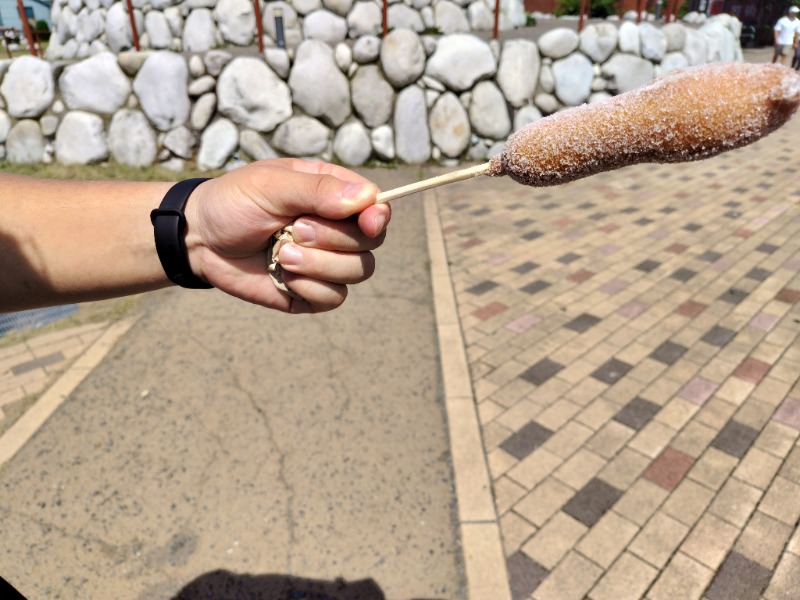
x=82 y=28
x=409 y=98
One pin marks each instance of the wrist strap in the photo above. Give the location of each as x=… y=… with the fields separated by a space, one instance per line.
x=169 y=228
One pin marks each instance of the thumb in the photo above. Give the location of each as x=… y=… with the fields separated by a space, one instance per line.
x=288 y=193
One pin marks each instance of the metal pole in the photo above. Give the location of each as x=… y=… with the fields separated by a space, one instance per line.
x=133 y=25
x=584 y=5
x=26 y=27
x=259 y=25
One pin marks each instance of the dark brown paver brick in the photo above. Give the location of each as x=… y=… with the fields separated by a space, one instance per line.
x=669 y=468
x=525 y=267
x=592 y=502
x=676 y=248
x=718 y=336
x=683 y=275
x=733 y=296
x=758 y=274
x=36 y=363
x=482 y=287
x=568 y=258
x=612 y=371
x=541 y=371
x=710 y=256
x=526 y=440
x=647 y=266
x=637 y=413
x=668 y=352
x=524 y=575
x=735 y=438
x=738 y=578
x=582 y=323
x=535 y=286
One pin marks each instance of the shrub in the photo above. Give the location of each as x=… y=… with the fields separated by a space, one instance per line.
x=599 y=9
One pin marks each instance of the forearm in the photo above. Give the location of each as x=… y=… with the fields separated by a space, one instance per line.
x=67 y=241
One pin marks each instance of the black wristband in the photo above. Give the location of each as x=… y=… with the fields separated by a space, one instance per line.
x=169 y=227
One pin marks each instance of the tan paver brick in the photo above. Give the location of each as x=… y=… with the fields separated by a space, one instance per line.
x=694 y=439
x=735 y=502
x=506 y=494
x=641 y=501
x=515 y=531
x=535 y=468
x=782 y=501
x=544 y=501
x=598 y=413
x=658 y=539
x=499 y=462
x=607 y=539
x=754 y=413
x=757 y=468
x=716 y=412
x=553 y=541
x=519 y=415
x=786 y=580
x=568 y=439
x=558 y=414
x=713 y=468
x=610 y=439
x=763 y=539
x=688 y=502
x=710 y=541
x=628 y=579
x=676 y=413
x=580 y=468
x=624 y=468
x=571 y=580
x=683 y=578
x=652 y=439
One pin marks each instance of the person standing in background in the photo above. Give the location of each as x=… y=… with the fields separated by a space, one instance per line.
x=787 y=32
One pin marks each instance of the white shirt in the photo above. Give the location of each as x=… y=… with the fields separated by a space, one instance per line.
x=786 y=29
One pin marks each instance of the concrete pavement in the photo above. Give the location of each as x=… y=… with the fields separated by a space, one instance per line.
x=220 y=446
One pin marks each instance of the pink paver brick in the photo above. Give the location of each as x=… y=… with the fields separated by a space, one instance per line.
x=723 y=264
x=523 y=323
x=611 y=227
x=499 y=259
x=676 y=248
x=698 y=390
x=659 y=234
x=563 y=222
x=574 y=234
x=788 y=413
x=764 y=321
x=743 y=233
x=788 y=295
x=615 y=286
x=632 y=309
x=752 y=370
x=607 y=250
x=793 y=264
x=490 y=310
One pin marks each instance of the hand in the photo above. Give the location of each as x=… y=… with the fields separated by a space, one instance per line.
x=232 y=218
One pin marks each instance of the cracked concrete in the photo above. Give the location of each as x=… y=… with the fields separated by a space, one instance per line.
x=219 y=438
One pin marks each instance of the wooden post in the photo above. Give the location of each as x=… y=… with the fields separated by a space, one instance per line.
x=385 y=17
x=259 y=25
x=26 y=27
x=585 y=4
x=496 y=26
x=676 y=6
x=134 y=33
x=639 y=11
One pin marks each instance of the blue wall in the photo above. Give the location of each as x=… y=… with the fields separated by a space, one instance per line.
x=9 y=16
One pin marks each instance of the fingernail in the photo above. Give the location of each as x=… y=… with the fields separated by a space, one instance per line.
x=354 y=191
x=380 y=223
x=290 y=255
x=303 y=232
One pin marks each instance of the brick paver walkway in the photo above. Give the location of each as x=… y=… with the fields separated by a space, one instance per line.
x=30 y=367
x=633 y=348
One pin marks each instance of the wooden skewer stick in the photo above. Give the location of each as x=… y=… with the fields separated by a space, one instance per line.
x=433 y=182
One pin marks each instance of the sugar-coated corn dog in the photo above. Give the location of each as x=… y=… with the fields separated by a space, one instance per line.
x=686 y=115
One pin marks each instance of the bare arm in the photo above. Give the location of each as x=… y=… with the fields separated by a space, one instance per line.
x=76 y=241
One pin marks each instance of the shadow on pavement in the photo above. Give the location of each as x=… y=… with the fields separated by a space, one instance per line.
x=224 y=585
